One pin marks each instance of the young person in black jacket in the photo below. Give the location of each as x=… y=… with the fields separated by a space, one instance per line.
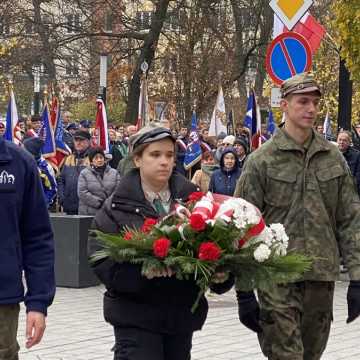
x=152 y=318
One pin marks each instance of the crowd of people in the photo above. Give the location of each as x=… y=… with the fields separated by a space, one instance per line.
x=297 y=177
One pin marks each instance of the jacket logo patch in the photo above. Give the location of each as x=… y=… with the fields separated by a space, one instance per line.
x=6 y=178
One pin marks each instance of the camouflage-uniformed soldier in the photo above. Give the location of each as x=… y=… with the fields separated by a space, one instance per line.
x=301 y=180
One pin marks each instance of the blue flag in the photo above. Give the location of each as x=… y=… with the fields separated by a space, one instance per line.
x=59 y=132
x=193 y=149
x=47 y=135
x=250 y=120
x=271 y=126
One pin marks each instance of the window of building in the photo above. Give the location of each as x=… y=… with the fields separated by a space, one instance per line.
x=108 y=21
x=73 y=23
x=143 y=19
x=72 y=66
x=4 y=28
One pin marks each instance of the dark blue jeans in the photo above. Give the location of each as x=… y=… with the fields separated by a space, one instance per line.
x=140 y=344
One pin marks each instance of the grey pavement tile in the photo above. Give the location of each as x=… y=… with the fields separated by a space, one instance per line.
x=76 y=331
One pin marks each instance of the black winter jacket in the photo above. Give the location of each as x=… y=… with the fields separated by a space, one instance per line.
x=352 y=157
x=161 y=304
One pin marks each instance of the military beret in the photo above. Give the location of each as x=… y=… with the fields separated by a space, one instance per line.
x=299 y=84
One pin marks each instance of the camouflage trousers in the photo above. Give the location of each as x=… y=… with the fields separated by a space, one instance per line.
x=296 y=320
x=9 y=317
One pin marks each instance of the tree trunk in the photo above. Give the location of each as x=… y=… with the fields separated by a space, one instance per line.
x=147 y=54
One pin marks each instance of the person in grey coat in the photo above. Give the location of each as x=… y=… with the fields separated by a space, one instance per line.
x=96 y=183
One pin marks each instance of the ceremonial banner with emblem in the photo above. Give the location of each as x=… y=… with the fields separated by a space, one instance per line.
x=218 y=119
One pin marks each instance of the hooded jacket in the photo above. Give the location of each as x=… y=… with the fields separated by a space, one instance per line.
x=26 y=237
x=223 y=181
x=160 y=304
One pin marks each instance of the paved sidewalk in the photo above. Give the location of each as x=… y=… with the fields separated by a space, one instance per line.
x=76 y=331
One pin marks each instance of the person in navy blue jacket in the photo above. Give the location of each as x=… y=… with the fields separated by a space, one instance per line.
x=223 y=180
x=26 y=246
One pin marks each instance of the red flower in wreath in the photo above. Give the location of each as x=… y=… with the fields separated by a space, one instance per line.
x=148 y=224
x=128 y=235
x=195 y=196
x=209 y=251
x=197 y=222
x=161 y=247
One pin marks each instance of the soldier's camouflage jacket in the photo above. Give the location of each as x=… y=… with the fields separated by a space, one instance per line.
x=313 y=194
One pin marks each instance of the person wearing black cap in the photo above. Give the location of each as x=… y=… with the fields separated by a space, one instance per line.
x=69 y=175
x=152 y=318
x=96 y=183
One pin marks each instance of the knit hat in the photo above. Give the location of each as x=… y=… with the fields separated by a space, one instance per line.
x=230 y=139
x=242 y=141
x=94 y=151
x=33 y=146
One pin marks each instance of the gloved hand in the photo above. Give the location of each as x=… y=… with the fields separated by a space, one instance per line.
x=353 y=300
x=249 y=310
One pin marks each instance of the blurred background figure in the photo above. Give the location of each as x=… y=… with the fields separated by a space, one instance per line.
x=66 y=118
x=2 y=129
x=69 y=175
x=223 y=180
x=85 y=125
x=96 y=183
x=68 y=135
x=351 y=155
x=118 y=149
x=202 y=177
x=241 y=148
x=33 y=146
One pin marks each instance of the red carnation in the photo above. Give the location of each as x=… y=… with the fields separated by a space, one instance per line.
x=128 y=235
x=209 y=251
x=197 y=222
x=196 y=196
x=161 y=247
x=148 y=224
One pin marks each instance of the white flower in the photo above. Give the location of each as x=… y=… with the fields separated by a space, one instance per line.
x=262 y=253
x=279 y=233
x=266 y=237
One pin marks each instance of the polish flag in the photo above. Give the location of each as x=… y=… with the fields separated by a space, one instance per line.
x=308 y=27
x=101 y=137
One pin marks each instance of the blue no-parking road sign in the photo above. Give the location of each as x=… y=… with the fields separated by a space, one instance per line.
x=288 y=54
